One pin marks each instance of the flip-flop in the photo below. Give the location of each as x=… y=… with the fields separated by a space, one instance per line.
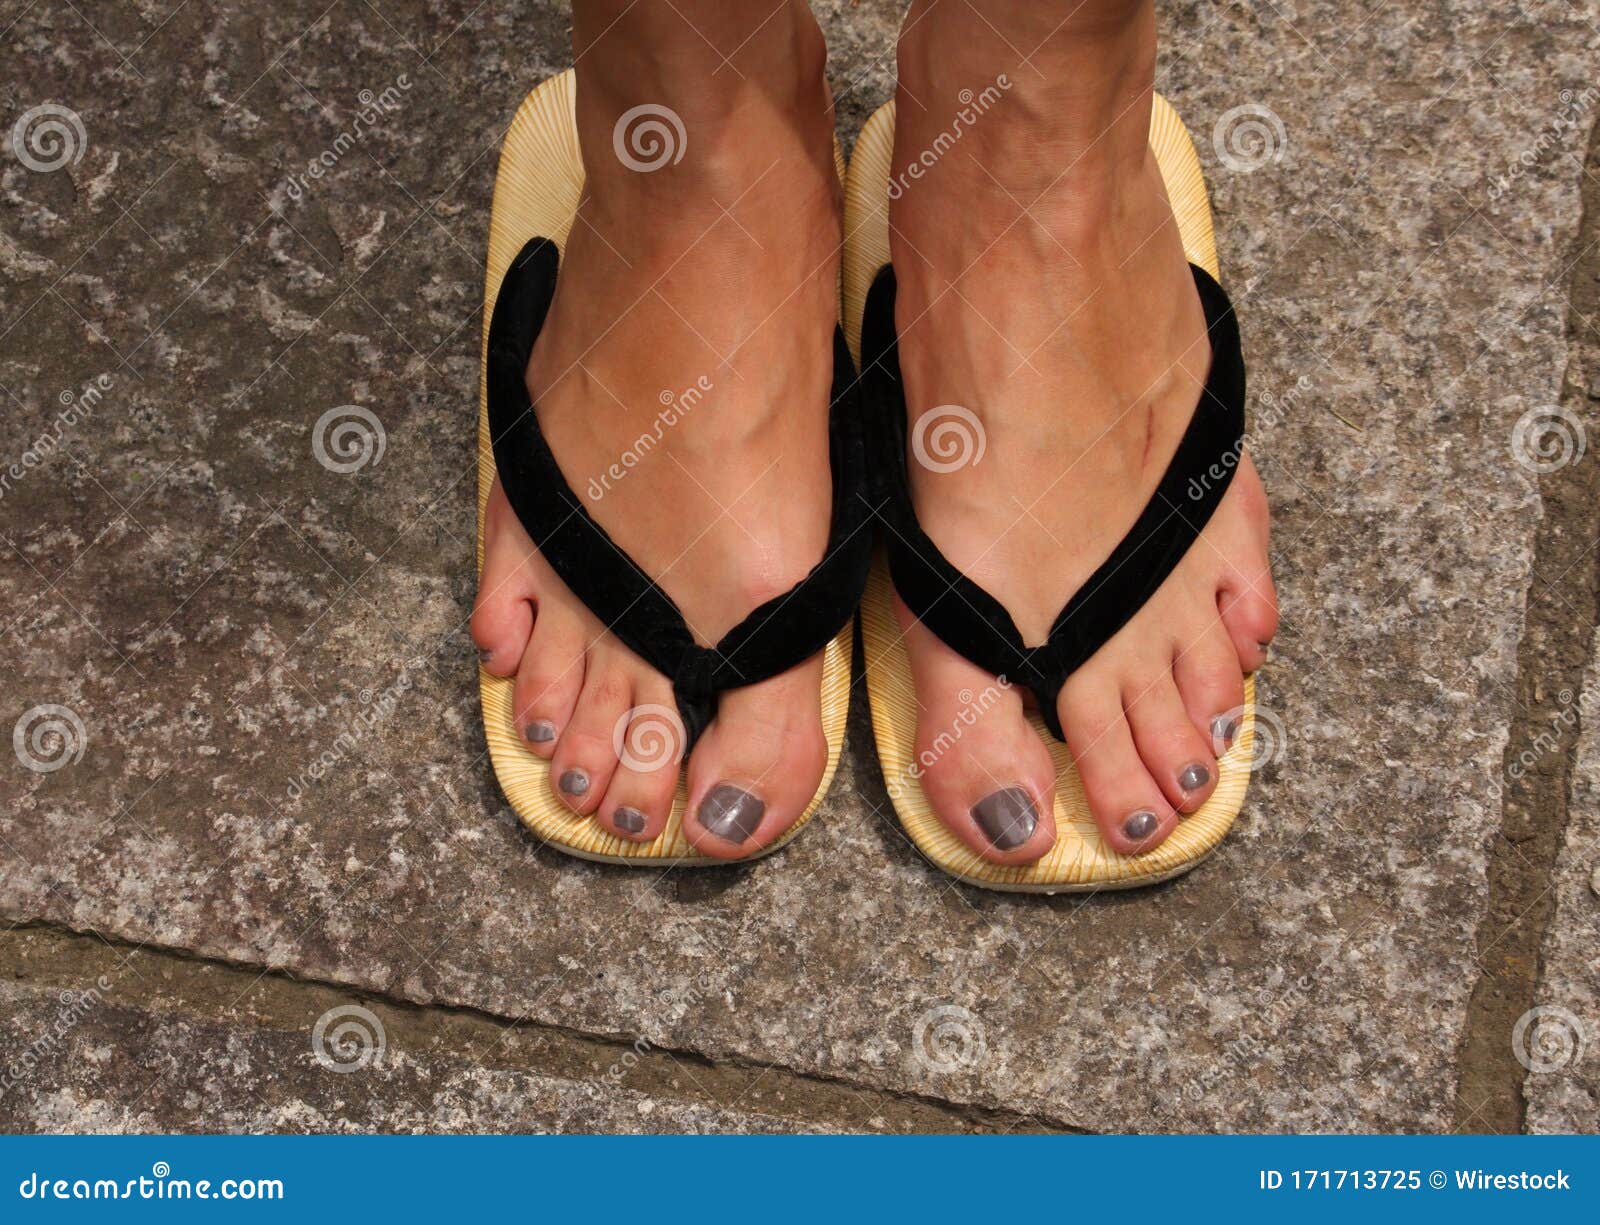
x=973 y=622
x=536 y=195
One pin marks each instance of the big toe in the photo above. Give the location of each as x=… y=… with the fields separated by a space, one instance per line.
x=984 y=770
x=756 y=769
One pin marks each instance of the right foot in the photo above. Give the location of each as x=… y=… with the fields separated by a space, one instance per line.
x=709 y=282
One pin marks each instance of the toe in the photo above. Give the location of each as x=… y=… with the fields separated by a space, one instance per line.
x=1129 y=806
x=639 y=799
x=757 y=767
x=1248 y=604
x=983 y=768
x=502 y=615
x=549 y=678
x=586 y=752
x=1212 y=686
x=1174 y=752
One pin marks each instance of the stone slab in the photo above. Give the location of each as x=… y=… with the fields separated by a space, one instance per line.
x=215 y=607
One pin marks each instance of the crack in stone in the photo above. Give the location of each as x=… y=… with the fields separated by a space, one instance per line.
x=1552 y=660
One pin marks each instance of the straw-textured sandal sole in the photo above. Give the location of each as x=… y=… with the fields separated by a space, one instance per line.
x=1080 y=861
x=536 y=192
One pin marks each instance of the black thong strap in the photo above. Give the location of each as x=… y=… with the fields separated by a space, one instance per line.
x=777 y=635
x=966 y=617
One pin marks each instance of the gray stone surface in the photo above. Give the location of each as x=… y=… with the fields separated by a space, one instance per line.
x=215 y=607
x=83 y=1060
x=1561 y=1040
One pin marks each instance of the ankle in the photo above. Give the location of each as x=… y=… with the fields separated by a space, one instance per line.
x=1071 y=99
x=699 y=107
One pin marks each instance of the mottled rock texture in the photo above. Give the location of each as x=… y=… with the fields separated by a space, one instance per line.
x=281 y=763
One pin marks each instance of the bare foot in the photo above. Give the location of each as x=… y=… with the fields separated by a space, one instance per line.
x=707 y=285
x=1042 y=285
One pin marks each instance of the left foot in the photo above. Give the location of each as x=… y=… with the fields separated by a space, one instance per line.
x=1056 y=305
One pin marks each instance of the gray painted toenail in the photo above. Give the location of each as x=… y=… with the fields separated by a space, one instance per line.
x=541 y=731
x=1224 y=729
x=574 y=782
x=1007 y=817
x=629 y=820
x=1140 y=825
x=1194 y=777
x=1266 y=648
x=484 y=655
x=731 y=813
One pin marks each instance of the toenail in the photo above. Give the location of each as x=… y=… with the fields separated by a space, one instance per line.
x=629 y=820
x=484 y=655
x=1224 y=729
x=575 y=782
x=731 y=813
x=1140 y=825
x=1266 y=647
x=1007 y=817
x=1194 y=777
x=541 y=731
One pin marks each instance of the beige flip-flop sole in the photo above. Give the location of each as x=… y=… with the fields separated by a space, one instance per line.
x=1080 y=861
x=536 y=192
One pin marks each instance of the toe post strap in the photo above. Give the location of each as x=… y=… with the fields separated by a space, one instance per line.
x=966 y=617
x=774 y=637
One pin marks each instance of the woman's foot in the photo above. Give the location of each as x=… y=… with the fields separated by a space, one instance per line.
x=682 y=379
x=1043 y=287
